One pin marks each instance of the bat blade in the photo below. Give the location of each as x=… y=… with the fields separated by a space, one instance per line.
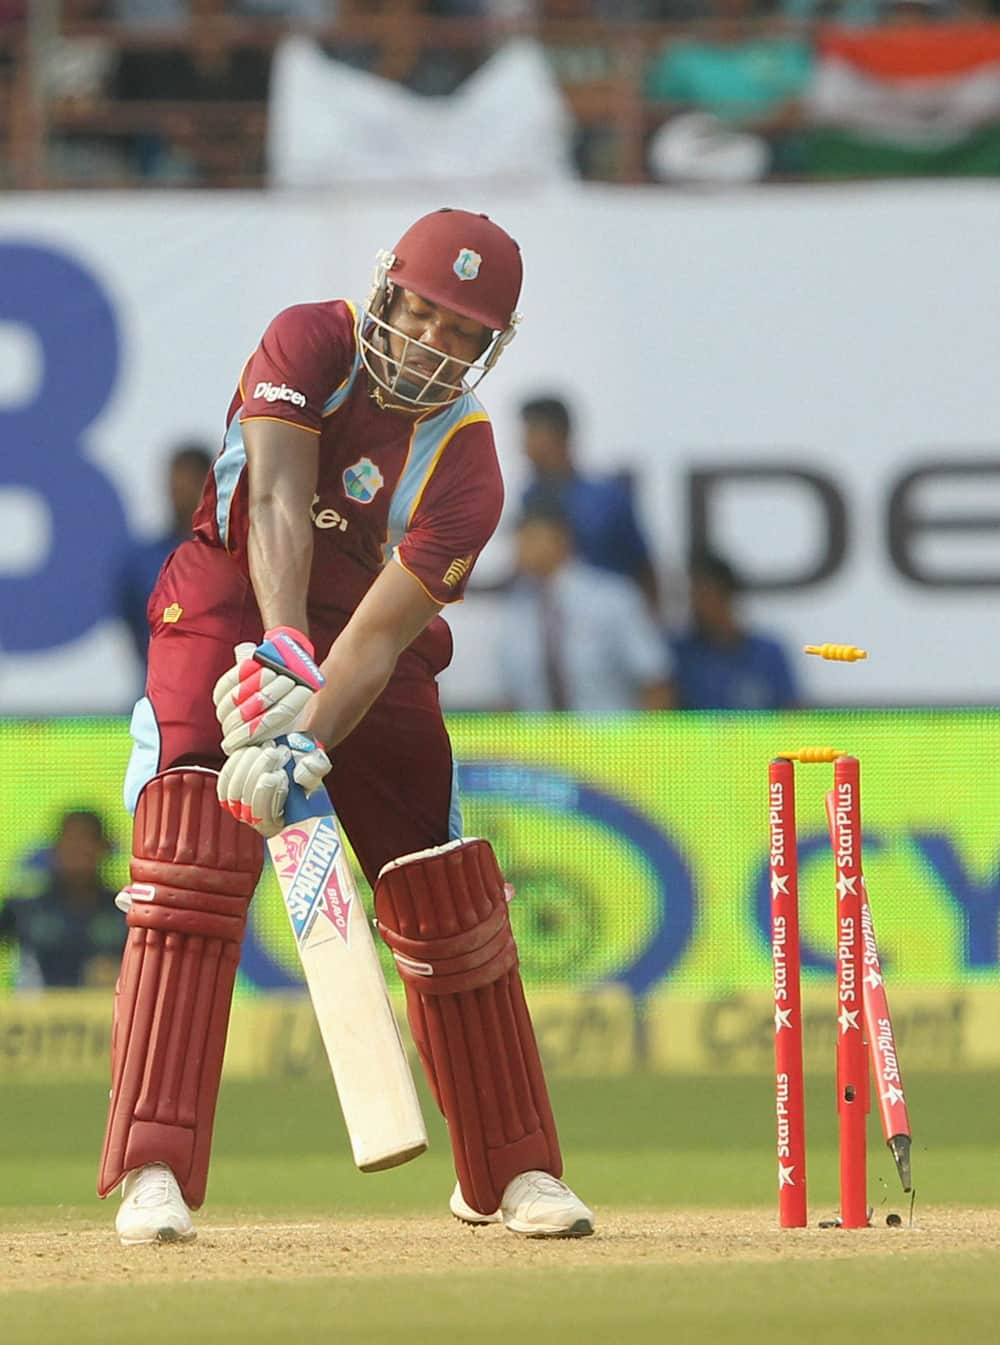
x=355 y=1016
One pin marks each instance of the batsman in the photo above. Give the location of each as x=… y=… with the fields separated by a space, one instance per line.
x=356 y=486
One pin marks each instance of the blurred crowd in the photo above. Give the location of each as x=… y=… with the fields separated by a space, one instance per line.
x=175 y=92
x=586 y=625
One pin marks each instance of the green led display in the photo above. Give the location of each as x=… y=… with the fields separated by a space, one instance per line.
x=638 y=845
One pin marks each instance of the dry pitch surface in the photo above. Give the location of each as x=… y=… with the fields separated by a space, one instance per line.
x=79 y=1251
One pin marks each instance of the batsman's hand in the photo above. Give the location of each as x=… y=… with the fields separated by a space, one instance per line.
x=262 y=695
x=253 y=784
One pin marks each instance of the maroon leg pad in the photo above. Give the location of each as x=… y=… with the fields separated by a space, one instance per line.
x=444 y=914
x=194 y=870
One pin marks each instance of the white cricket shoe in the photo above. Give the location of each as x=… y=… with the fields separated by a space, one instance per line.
x=152 y=1208
x=535 y=1205
x=541 y=1206
x=462 y=1210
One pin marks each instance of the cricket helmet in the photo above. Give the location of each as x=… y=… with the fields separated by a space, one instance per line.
x=460 y=261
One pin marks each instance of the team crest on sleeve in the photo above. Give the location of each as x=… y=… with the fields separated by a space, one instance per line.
x=363 y=481
x=466 y=265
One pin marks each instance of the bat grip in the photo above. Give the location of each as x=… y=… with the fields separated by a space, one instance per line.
x=297 y=806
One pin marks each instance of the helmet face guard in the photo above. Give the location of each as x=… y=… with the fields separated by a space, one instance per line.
x=456 y=260
x=422 y=376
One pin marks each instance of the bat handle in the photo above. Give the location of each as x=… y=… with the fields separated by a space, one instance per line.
x=298 y=807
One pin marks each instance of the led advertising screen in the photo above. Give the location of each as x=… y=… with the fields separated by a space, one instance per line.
x=637 y=846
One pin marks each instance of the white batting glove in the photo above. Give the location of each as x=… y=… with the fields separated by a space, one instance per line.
x=254 y=703
x=253 y=784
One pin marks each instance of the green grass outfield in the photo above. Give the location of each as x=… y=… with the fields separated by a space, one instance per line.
x=641 y=1144
x=817 y=1304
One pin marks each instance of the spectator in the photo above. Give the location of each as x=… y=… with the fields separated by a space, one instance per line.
x=844 y=13
x=150 y=13
x=917 y=13
x=576 y=637
x=140 y=74
x=718 y=663
x=738 y=95
x=598 y=509
x=13 y=28
x=297 y=12
x=189 y=464
x=428 y=67
x=201 y=67
x=72 y=70
x=13 y=25
x=69 y=932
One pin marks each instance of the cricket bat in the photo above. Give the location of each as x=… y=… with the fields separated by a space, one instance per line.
x=345 y=980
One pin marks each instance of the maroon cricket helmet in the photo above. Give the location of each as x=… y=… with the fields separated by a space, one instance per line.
x=462 y=261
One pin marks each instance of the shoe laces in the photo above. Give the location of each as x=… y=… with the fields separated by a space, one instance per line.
x=153 y=1186
x=544 y=1184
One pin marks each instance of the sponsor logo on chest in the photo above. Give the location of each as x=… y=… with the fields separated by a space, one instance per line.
x=328 y=518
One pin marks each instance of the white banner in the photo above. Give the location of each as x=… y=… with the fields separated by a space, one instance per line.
x=330 y=123
x=807 y=375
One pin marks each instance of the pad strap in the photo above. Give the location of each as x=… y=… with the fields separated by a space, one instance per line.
x=194 y=870
x=443 y=913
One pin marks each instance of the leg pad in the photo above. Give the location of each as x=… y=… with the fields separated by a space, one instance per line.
x=443 y=913
x=194 y=870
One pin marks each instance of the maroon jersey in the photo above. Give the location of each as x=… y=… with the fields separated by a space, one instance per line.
x=423 y=489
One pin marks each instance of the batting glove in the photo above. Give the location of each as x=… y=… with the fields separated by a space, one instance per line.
x=253 y=784
x=262 y=695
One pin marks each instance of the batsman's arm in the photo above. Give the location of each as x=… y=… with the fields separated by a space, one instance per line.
x=390 y=617
x=282 y=467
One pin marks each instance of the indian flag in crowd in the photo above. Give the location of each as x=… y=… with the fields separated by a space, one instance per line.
x=906 y=101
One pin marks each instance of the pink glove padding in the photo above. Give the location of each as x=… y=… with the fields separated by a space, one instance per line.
x=253 y=702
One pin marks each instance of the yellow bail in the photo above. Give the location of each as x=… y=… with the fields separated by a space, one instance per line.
x=836 y=653
x=813 y=754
